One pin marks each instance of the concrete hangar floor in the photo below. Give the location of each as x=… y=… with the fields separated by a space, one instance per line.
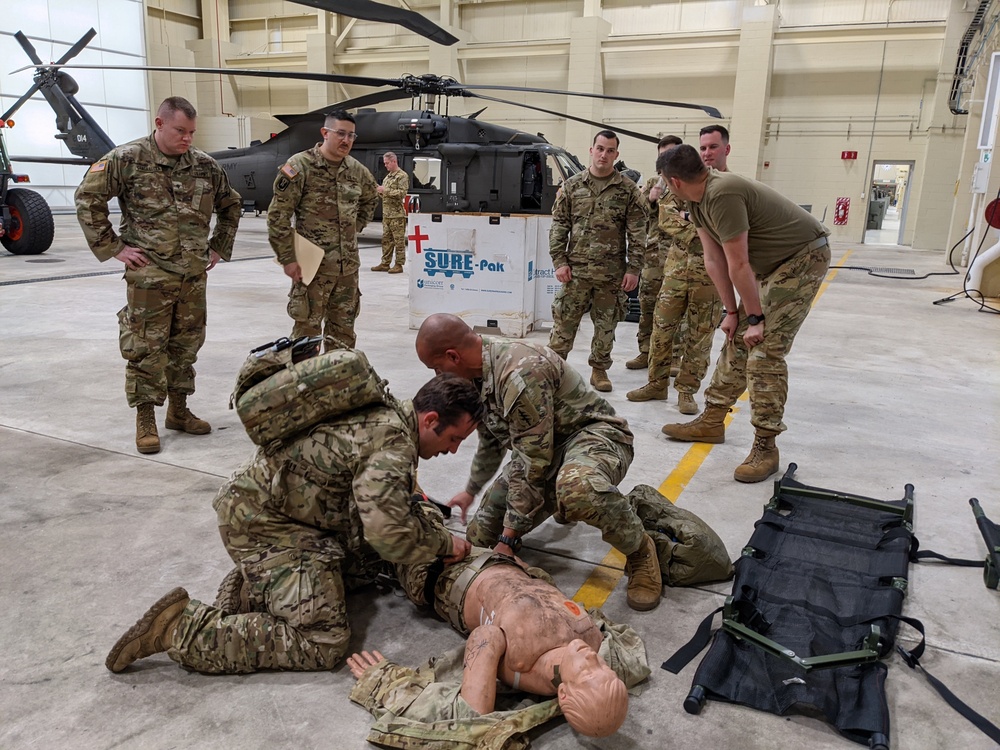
x=885 y=389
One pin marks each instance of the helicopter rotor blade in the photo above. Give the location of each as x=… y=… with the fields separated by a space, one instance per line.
x=371 y=11
x=361 y=101
x=17 y=105
x=290 y=74
x=601 y=125
x=710 y=111
x=77 y=48
x=28 y=47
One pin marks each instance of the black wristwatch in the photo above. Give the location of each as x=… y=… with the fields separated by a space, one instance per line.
x=755 y=319
x=514 y=542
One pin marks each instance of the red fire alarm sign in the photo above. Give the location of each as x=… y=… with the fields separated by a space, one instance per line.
x=848 y=154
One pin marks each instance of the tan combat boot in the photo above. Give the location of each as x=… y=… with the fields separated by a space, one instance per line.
x=655 y=391
x=233 y=597
x=396 y=269
x=147 y=439
x=179 y=417
x=152 y=634
x=709 y=427
x=762 y=461
x=645 y=580
x=638 y=362
x=686 y=404
x=381 y=267
x=600 y=380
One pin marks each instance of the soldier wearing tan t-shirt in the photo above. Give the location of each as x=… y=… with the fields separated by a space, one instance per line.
x=774 y=255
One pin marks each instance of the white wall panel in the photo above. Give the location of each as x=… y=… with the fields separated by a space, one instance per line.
x=517 y=21
x=832 y=12
x=629 y=17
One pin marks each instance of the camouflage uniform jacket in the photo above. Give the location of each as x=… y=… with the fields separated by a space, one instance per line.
x=589 y=228
x=686 y=259
x=395 y=186
x=166 y=203
x=331 y=205
x=423 y=708
x=658 y=244
x=535 y=403
x=350 y=476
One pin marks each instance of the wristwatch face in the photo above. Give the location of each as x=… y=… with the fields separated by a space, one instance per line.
x=755 y=319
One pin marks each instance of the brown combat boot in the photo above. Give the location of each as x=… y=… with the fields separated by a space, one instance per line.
x=645 y=580
x=762 y=461
x=147 y=439
x=396 y=269
x=638 y=362
x=381 y=267
x=600 y=380
x=655 y=391
x=233 y=597
x=179 y=417
x=709 y=427
x=686 y=404
x=152 y=634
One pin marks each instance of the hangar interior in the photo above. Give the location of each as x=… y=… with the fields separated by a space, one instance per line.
x=886 y=388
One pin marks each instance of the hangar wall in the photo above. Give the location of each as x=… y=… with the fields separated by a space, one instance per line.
x=117 y=101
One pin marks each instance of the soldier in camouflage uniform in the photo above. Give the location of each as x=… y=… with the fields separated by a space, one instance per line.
x=569 y=449
x=657 y=245
x=775 y=256
x=393 y=190
x=167 y=192
x=332 y=197
x=686 y=294
x=594 y=213
x=306 y=522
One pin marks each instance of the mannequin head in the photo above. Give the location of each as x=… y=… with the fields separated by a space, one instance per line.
x=592 y=697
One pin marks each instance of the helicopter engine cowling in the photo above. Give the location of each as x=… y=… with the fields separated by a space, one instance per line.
x=423 y=128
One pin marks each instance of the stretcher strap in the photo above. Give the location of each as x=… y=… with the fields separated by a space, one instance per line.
x=912 y=659
x=686 y=653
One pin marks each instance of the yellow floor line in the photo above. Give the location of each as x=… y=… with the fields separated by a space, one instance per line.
x=602 y=581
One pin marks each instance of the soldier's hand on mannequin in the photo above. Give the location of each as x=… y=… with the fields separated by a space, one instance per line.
x=630 y=282
x=134 y=258
x=460 y=549
x=293 y=271
x=462 y=501
x=564 y=274
x=360 y=663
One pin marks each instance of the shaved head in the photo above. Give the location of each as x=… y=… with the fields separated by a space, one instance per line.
x=446 y=343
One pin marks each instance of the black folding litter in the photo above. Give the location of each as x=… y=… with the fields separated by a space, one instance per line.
x=817 y=592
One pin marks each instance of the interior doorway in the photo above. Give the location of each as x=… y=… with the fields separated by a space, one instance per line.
x=888 y=197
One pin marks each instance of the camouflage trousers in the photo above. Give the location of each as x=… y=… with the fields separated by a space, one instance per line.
x=394 y=239
x=786 y=295
x=329 y=305
x=607 y=305
x=298 y=619
x=650 y=281
x=160 y=331
x=585 y=488
x=699 y=306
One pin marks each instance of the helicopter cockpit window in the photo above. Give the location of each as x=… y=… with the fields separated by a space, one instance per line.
x=426 y=173
x=557 y=168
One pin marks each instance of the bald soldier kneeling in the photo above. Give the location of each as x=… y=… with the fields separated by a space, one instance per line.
x=527 y=634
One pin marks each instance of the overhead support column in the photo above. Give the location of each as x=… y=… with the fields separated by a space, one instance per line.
x=320 y=50
x=586 y=73
x=216 y=94
x=753 y=88
x=443 y=60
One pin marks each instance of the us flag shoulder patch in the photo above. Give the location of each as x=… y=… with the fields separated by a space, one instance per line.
x=99 y=166
x=289 y=171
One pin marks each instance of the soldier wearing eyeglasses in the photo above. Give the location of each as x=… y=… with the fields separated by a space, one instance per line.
x=331 y=196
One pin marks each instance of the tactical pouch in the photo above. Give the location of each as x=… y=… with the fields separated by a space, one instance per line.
x=298 y=302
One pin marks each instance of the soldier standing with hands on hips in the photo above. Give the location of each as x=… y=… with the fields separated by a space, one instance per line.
x=332 y=197
x=167 y=191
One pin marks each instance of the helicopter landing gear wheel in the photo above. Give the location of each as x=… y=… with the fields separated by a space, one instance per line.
x=31 y=228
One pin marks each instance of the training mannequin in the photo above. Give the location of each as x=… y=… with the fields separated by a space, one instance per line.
x=523 y=631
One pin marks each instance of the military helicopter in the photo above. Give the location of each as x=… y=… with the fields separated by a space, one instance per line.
x=455 y=164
